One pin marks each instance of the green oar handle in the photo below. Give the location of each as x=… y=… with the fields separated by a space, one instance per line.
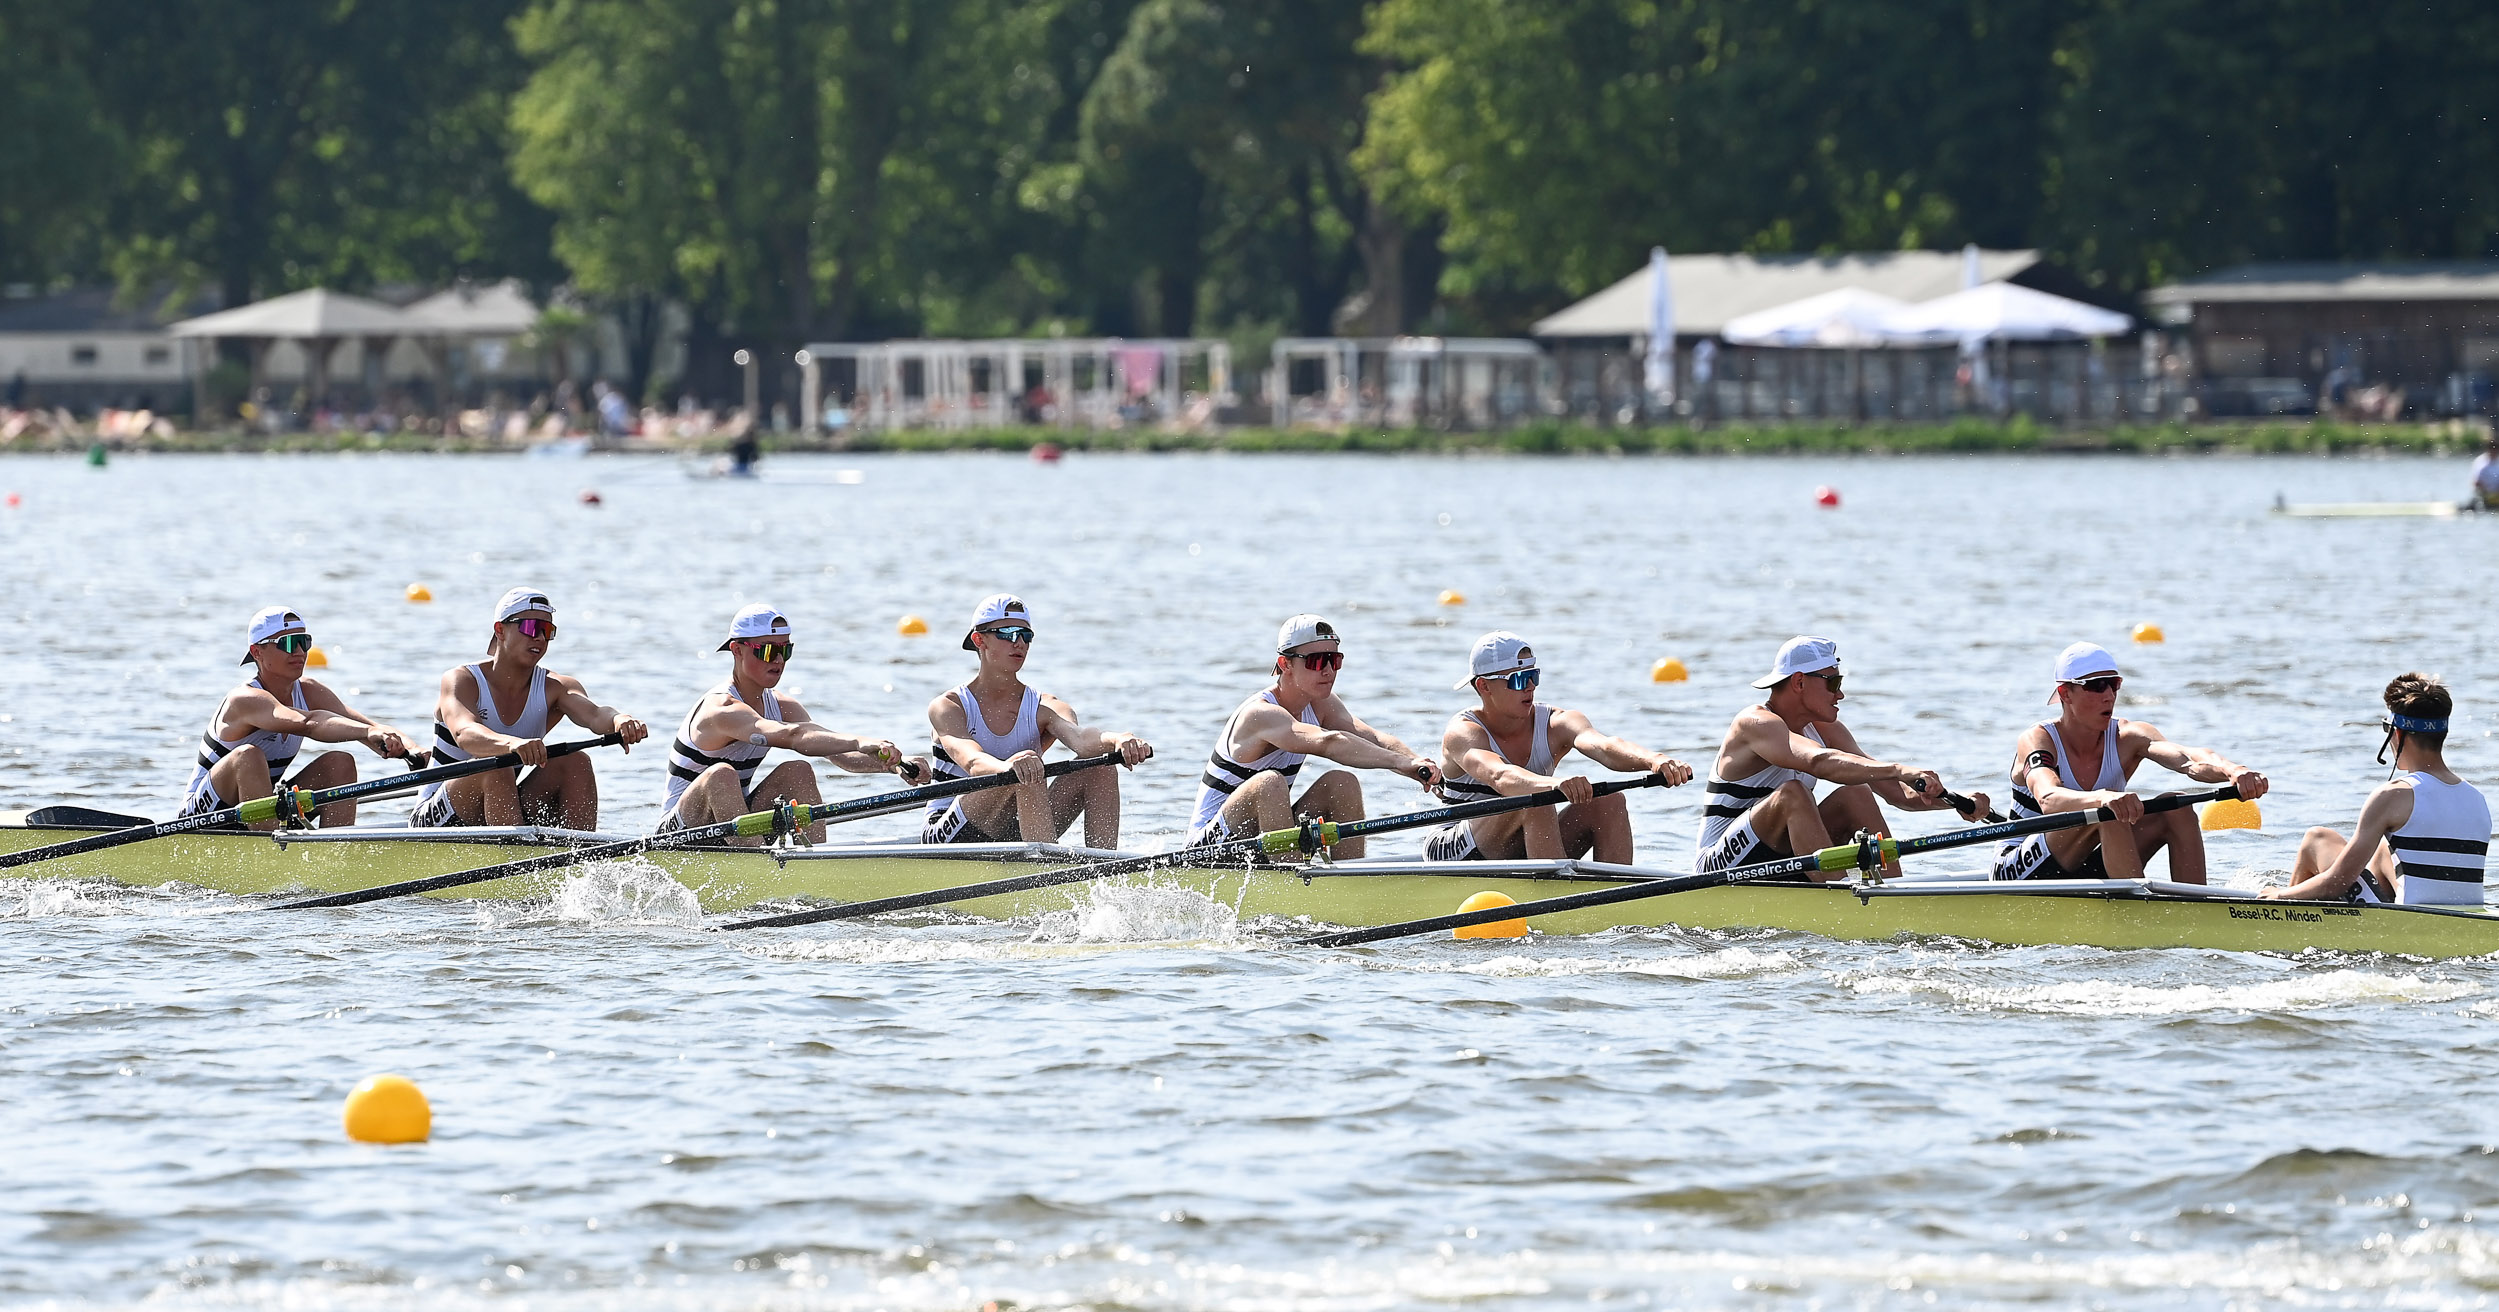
x=780 y=820
x=1846 y=856
x=303 y=803
x=1280 y=840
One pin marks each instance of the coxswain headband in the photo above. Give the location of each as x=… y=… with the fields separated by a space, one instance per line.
x=2415 y=724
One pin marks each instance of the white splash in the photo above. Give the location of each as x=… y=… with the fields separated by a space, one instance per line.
x=44 y=899
x=2109 y=998
x=1117 y=911
x=625 y=893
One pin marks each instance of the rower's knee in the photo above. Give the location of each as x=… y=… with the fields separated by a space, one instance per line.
x=328 y=770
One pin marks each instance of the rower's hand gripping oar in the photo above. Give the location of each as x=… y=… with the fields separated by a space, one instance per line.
x=295 y=806
x=1867 y=853
x=1308 y=836
x=779 y=822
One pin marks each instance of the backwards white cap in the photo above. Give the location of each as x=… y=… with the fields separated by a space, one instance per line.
x=1302 y=630
x=1002 y=606
x=1498 y=652
x=756 y=621
x=2082 y=661
x=268 y=622
x=522 y=599
x=1801 y=655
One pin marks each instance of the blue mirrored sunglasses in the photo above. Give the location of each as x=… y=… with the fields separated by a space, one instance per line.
x=1519 y=680
x=1014 y=633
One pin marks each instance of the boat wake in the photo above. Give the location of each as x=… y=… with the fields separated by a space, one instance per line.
x=1725 y=963
x=2092 y=997
x=49 y=899
x=610 y=894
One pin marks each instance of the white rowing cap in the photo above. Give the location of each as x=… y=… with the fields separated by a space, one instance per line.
x=1801 y=655
x=1498 y=653
x=521 y=601
x=1302 y=630
x=2081 y=661
x=1001 y=606
x=756 y=621
x=268 y=622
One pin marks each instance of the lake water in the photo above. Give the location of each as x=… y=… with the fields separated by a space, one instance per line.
x=1138 y=1103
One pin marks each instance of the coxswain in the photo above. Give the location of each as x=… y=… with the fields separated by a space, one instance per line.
x=1760 y=803
x=2053 y=759
x=259 y=728
x=968 y=742
x=506 y=704
x=1247 y=787
x=713 y=761
x=1511 y=744
x=2423 y=836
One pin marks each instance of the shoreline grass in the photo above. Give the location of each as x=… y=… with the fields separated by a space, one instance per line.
x=1549 y=438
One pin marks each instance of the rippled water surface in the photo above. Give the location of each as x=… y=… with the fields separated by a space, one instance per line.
x=1138 y=1102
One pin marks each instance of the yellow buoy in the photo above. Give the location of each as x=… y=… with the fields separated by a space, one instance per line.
x=1498 y=928
x=912 y=626
x=317 y=658
x=419 y=592
x=2148 y=632
x=387 y=1109
x=2232 y=814
x=1452 y=597
x=1668 y=670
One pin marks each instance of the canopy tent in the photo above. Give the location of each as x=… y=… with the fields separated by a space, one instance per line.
x=317 y=318
x=2001 y=312
x=500 y=309
x=1847 y=317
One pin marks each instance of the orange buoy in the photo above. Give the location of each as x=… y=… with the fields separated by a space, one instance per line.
x=420 y=592
x=2149 y=632
x=316 y=659
x=1452 y=597
x=1498 y=928
x=1668 y=670
x=912 y=626
x=387 y=1109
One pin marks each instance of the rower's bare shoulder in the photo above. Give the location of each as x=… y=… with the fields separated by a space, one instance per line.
x=1057 y=705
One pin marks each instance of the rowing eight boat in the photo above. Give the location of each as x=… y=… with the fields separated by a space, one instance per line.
x=1374 y=891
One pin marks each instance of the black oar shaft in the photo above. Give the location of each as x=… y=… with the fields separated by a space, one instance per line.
x=266 y=808
x=750 y=825
x=1322 y=834
x=1841 y=857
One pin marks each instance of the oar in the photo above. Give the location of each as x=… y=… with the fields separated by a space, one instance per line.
x=1866 y=853
x=296 y=804
x=1309 y=836
x=787 y=818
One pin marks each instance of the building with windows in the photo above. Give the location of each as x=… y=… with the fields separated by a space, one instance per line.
x=2364 y=341
x=88 y=349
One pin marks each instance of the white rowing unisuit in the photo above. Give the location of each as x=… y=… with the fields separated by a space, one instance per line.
x=946 y=822
x=1727 y=836
x=2028 y=857
x=1455 y=841
x=685 y=763
x=433 y=808
x=1224 y=776
x=2441 y=850
x=278 y=749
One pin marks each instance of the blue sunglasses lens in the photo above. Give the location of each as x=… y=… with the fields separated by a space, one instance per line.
x=1011 y=634
x=1522 y=680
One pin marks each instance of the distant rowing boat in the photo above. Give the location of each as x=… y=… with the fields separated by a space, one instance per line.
x=2371 y=509
x=1376 y=891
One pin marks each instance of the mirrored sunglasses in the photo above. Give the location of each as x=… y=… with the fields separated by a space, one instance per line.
x=1518 y=680
x=2098 y=683
x=772 y=651
x=1321 y=660
x=293 y=644
x=534 y=628
x=1014 y=633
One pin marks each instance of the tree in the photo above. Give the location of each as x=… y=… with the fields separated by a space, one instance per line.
x=59 y=156
x=281 y=143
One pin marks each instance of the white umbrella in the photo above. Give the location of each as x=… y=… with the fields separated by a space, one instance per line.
x=1658 y=369
x=2000 y=311
x=1848 y=317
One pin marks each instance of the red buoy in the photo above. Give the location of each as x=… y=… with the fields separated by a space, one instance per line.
x=12 y=501
x=590 y=497
x=1827 y=497
x=1048 y=453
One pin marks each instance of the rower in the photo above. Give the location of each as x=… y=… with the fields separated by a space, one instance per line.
x=2086 y=741
x=506 y=704
x=2423 y=835
x=1760 y=803
x=2486 y=473
x=968 y=743
x=1511 y=744
x=712 y=763
x=259 y=728
x=1247 y=787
